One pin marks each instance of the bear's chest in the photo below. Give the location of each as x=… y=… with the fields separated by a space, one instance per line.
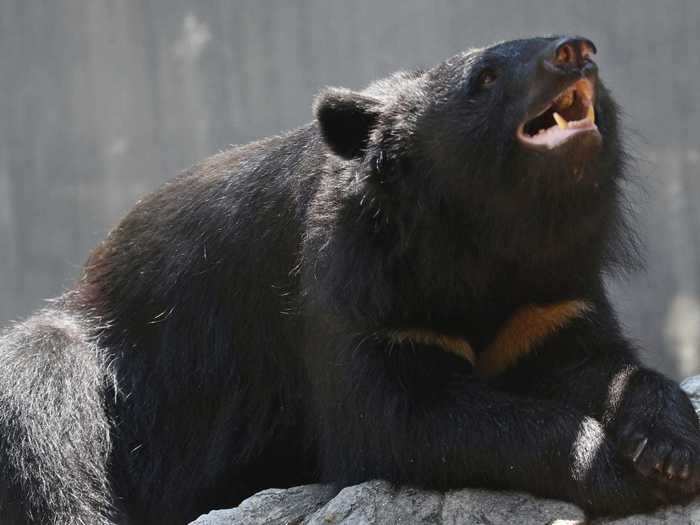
x=493 y=349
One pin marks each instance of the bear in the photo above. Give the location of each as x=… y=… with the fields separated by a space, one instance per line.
x=410 y=288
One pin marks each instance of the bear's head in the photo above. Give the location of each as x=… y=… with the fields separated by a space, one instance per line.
x=516 y=144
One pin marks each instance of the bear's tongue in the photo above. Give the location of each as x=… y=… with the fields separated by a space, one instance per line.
x=569 y=114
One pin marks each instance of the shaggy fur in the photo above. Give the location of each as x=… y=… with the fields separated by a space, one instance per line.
x=234 y=331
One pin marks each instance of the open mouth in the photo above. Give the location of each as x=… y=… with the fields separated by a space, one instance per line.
x=570 y=114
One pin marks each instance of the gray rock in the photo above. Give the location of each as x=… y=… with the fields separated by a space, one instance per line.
x=692 y=387
x=379 y=502
x=272 y=507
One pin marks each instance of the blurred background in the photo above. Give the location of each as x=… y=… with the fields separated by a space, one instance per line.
x=101 y=101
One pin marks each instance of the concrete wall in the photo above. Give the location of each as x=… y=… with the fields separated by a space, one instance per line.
x=103 y=100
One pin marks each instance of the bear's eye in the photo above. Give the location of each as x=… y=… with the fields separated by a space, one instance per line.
x=487 y=77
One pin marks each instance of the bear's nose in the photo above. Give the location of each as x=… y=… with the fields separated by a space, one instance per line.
x=570 y=53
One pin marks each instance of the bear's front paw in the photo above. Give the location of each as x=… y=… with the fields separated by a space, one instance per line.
x=664 y=454
x=659 y=436
x=604 y=485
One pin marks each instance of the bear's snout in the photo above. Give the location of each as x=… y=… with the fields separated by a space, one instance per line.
x=571 y=55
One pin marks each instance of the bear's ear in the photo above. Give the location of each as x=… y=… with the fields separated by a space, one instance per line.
x=346 y=119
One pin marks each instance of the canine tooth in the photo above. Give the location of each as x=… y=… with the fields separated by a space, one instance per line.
x=561 y=121
x=591 y=113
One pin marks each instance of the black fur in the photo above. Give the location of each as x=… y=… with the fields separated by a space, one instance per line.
x=228 y=335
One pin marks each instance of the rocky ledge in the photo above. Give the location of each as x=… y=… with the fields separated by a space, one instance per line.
x=378 y=502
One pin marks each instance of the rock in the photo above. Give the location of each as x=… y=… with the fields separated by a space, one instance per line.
x=379 y=502
x=692 y=387
x=273 y=507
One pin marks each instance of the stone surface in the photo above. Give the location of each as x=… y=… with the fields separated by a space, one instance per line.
x=273 y=507
x=692 y=387
x=379 y=502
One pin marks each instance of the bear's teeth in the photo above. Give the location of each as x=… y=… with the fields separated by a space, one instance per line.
x=590 y=115
x=561 y=121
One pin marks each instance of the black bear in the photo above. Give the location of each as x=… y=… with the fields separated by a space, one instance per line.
x=408 y=288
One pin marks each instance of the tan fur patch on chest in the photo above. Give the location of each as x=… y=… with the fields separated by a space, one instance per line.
x=525 y=329
x=519 y=335
x=455 y=345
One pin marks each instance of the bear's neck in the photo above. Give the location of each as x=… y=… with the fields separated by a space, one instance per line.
x=439 y=268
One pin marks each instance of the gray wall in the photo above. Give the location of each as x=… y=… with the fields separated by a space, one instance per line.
x=103 y=100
